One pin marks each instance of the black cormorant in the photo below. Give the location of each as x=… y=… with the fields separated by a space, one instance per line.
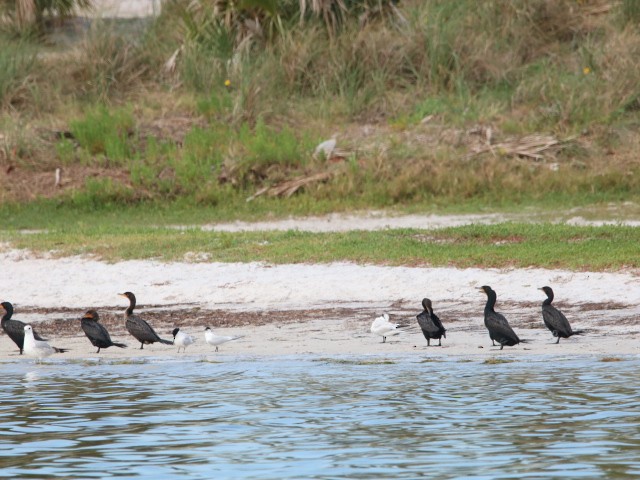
x=15 y=328
x=96 y=332
x=499 y=329
x=554 y=319
x=137 y=327
x=430 y=323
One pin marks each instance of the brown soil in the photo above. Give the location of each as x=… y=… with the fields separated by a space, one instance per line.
x=22 y=184
x=164 y=321
x=26 y=177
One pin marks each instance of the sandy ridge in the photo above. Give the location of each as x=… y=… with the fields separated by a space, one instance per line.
x=319 y=309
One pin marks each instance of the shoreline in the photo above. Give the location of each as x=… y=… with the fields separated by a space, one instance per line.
x=314 y=309
x=346 y=337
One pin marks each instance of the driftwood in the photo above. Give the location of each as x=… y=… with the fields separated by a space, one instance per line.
x=289 y=187
x=531 y=146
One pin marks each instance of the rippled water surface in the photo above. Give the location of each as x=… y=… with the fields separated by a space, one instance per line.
x=291 y=417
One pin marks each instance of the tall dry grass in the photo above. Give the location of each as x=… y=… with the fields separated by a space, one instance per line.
x=429 y=47
x=25 y=13
x=108 y=65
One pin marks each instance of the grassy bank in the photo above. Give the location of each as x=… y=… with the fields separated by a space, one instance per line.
x=499 y=246
x=434 y=105
x=55 y=214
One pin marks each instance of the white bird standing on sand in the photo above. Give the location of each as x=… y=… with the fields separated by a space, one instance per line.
x=38 y=348
x=215 y=340
x=383 y=327
x=181 y=339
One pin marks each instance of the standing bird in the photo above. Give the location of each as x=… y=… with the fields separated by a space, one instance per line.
x=38 y=348
x=15 y=328
x=499 y=329
x=96 y=333
x=554 y=319
x=137 y=327
x=383 y=327
x=181 y=339
x=215 y=340
x=430 y=324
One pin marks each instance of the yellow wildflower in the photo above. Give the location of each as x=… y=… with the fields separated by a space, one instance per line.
x=586 y=70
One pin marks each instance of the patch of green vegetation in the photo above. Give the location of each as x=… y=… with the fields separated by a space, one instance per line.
x=86 y=362
x=430 y=360
x=105 y=133
x=257 y=104
x=496 y=361
x=103 y=207
x=489 y=246
x=101 y=192
x=630 y=11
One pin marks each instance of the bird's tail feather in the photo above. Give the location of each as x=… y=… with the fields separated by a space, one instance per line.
x=166 y=342
x=579 y=332
x=121 y=345
x=60 y=350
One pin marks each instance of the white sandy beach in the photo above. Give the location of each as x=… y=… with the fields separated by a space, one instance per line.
x=336 y=305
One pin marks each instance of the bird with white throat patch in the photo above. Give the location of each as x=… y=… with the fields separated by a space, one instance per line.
x=38 y=348
x=181 y=339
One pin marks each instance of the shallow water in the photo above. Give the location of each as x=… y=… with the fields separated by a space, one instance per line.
x=294 y=417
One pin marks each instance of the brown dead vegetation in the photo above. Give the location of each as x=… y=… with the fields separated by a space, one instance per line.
x=521 y=315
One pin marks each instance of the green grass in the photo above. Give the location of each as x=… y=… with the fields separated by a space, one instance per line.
x=180 y=146
x=105 y=133
x=110 y=203
x=505 y=245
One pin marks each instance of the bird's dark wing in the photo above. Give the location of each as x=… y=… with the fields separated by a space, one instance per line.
x=555 y=320
x=430 y=323
x=426 y=323
x=38 y=337
x=500 y=330
x=438 y=323
x=143 y=331
x=15 y=331
x=96 y=333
